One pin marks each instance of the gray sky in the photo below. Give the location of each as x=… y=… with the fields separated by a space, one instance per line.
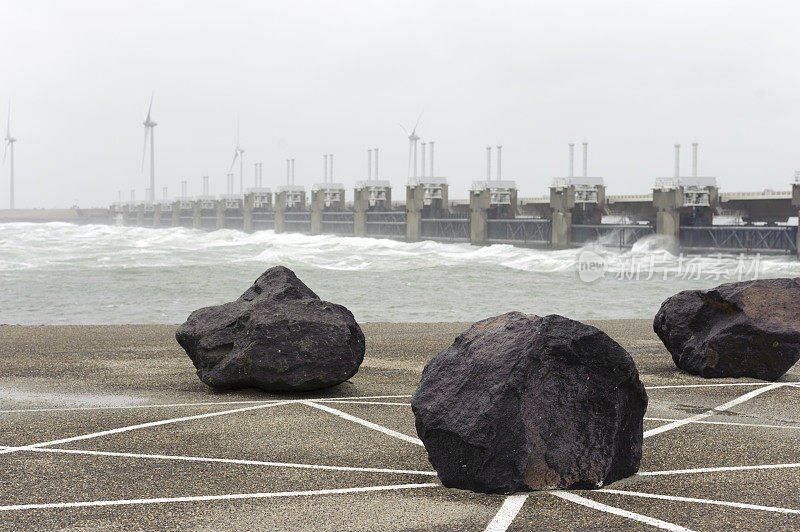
x=308 y=78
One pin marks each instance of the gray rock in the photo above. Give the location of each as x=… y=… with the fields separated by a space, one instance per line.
x=278 y=336
x=526 y=402
x=747 y=329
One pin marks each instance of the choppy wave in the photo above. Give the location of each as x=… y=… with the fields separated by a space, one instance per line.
x=112 y=274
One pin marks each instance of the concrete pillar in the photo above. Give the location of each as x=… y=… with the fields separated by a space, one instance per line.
x=479 y=201
x=445 y=198
x=220 y=214
x=796 y=205
x=668 y=203
x=414 y=204
x=280 y=210
x=317 y=206
x=247 y=212
x=176 y=213
x=126 y=215
x=140 y=215
x=197 y=212
x=360 y=208
x=562 y=201
x=157 y=215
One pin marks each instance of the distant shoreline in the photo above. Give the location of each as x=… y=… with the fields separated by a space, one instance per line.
x=76 y=216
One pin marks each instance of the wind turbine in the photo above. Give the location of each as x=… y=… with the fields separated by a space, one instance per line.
x=148 y=130
x=412 y=147
x=238 y=153
x=9 y=147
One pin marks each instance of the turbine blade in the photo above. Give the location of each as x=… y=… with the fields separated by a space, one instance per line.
x=235 y=156
x=410 y=155
x=151 y=105
x=5 y=149
x=404 y=129
x=144 y=146
x=8 y=122
x=415 y=125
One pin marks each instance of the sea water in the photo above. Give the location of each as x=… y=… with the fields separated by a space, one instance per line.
x=58 y=273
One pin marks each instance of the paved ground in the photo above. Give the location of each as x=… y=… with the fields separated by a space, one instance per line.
x=108 y=427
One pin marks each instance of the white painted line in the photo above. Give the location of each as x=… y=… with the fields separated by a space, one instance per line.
x=703 y=501
x=761 y=425
x=139 y=426
x=364 y=422
x=712 y=385
x=362 y=402
x=793 y=384
x=716 y=469
x=175 y=405
x=722 y=408
x=233 y=461
x=589 y=503
x=200 y=498
x=508 y=511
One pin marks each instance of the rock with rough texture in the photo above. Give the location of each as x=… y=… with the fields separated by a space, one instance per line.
x=525 y=402
x=278 y=336
x=747 y=329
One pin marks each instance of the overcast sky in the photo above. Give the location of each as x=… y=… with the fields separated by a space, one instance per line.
x=308 y=78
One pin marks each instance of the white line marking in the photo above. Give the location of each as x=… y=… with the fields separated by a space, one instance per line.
x=722 y=408
x=174 y=405
x=364 y=422
x=139 y=426
x=232 y=496
x=716 y=469
x=716 y=385
x=793 y=384
x=233 y=461
x=658 y=523
x=703 y=501
x=761 y=425
x=507 y=512
x=362 y=402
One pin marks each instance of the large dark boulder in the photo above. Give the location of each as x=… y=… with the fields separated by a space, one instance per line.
x=748 y=329
x=526 y=402
x=278 y=336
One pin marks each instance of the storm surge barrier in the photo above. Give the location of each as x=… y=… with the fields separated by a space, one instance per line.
x=747 y=239
x=680 y=211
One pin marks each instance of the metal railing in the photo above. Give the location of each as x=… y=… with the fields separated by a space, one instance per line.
x=263 y=220
x=297 y=222
x=387 y=224
x=618 y=235
x=337 y=223
x=446 y=229
x=741 y=238
x=519 y=231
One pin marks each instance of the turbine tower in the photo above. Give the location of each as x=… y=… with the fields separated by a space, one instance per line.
x=238 y=153
x=412 y=149
x=10 y=148
x=148 y=130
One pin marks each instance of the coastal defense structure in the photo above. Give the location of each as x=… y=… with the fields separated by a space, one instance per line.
x=491 y=200
x=578 y=200
x=684 y=202
x=370 y=196
x=688 y=209
x=326 y=197
x=562 y=201
x=427 y=204
x=290 y=204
